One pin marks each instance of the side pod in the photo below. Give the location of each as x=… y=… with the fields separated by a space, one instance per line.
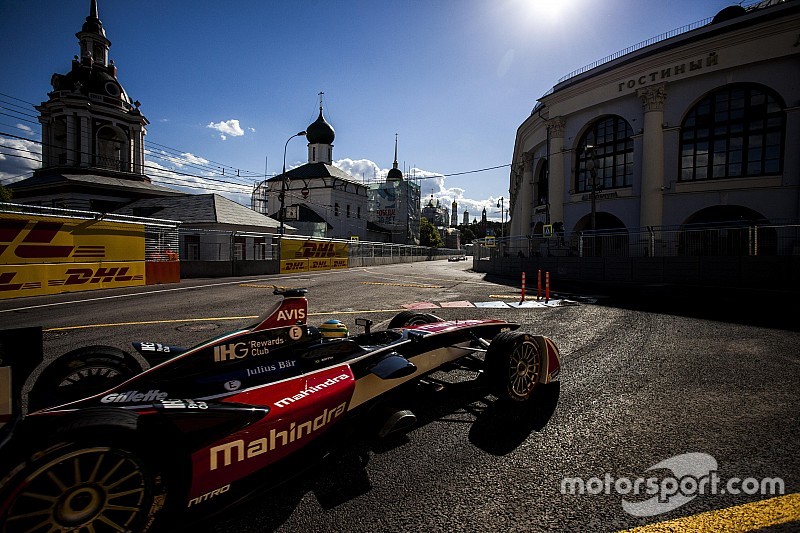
x=393 y=366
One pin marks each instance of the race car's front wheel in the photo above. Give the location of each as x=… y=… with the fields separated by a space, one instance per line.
x=80 y=373
x=405 y=319
x=514 y=365
x=76 y=487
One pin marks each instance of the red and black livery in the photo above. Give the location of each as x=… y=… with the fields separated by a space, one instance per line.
x=105 y=443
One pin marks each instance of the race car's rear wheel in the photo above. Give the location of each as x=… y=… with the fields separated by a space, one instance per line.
x=514 y=365
x=404 y=319
x=81 y=373
x=81 y=487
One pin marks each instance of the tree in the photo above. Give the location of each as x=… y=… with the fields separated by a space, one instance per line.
x=5 y=194
x=467 y=235
x=428 y=234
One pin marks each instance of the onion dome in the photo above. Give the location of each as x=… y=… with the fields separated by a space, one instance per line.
x=394 y=173
x=320 y=132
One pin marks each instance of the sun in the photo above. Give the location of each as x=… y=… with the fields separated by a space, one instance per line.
x=550 y=11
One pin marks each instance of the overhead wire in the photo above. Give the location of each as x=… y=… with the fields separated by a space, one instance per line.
x=174 y=155
x=243 y=189
x=219 y=169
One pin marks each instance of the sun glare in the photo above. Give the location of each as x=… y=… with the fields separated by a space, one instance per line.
x=550 y=11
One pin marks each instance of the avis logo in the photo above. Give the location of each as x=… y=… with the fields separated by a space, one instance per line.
x=292 y=314
x=316 y=249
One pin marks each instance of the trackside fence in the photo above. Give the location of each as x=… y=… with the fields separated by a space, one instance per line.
x=732 y=255
x=213 y=253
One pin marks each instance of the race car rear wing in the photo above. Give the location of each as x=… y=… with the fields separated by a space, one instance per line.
x=20 y=354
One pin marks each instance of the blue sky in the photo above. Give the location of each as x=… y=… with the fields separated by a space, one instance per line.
x=452 y=78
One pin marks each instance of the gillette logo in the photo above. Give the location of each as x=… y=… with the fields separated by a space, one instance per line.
x=135 y=396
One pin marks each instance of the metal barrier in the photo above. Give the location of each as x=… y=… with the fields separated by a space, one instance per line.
x=689 y=241
x=205 y=252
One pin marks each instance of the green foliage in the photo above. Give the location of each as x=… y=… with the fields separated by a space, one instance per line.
x=5 y=194
x=428 y=234
x=467 y=235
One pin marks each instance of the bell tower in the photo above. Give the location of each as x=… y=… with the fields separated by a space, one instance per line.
x=89 y=121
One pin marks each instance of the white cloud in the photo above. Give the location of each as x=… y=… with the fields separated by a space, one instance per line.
x=23 y=127
x=432 y=184
x=18 y=160
x=227 y=128
x=161 y=175
x=196 y=160
x=362 y=169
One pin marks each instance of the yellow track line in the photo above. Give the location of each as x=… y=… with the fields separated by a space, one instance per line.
x=221 y=318
x=741 y=518
x=402 y=284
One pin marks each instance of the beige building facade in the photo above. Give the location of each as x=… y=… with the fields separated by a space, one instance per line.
x=700 y=127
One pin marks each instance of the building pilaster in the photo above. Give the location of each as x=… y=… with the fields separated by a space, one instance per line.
x=558 y=177
x=652 y=201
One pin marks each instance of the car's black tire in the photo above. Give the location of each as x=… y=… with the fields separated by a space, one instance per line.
x=84 y=481
x=404 y=319
x=81 y=373
x=514 y=365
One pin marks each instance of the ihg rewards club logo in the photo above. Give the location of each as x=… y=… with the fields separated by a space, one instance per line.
x=692 y=475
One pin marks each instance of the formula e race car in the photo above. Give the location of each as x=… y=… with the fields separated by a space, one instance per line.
x=102 y=444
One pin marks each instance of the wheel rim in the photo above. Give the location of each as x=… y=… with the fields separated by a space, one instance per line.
x=90 y=375
x=96 y=488
x=523 y=370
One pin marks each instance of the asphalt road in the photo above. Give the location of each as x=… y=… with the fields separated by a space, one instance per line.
x=638 y=387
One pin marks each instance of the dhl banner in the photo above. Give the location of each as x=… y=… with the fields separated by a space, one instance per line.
x=30 y=239
x=311 y=255
x=36 y=280
x=48 y=255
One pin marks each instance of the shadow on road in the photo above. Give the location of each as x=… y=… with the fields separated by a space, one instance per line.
x=503 y=426
x=497 y=427
x=736 y=305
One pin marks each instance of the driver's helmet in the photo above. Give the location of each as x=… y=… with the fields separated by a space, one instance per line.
x=332 y=329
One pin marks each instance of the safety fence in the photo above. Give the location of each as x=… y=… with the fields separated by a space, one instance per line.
x=687 y=241
x=209 y=253
x=728 y=255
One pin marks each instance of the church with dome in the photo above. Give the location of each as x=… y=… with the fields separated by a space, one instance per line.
x=394 y=210
x=321 y=200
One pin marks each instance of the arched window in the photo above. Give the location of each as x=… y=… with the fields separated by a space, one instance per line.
x=734 y=132
x=608 y=144
x=112 y=149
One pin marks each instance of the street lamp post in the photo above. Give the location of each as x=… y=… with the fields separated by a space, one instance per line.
x=502 y=221
x=282 y=197
x=591 y=166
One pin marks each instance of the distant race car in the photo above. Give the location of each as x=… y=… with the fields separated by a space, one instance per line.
x=105 y=445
